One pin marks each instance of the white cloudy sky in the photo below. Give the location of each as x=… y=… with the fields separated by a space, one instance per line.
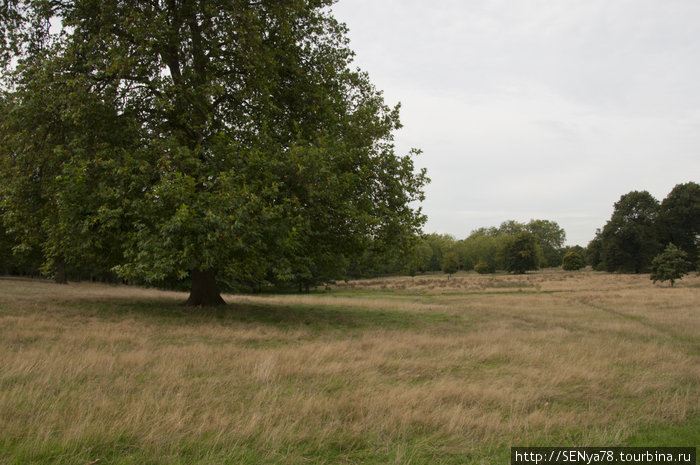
x=548 y=109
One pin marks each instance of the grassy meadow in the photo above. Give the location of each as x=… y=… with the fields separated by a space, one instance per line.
x=424 y=370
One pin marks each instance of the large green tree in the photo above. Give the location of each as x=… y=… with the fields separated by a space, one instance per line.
x=572 y=261
x=629 y=240
x=679 y=219
x=550 y=237
x=521 y=253
x=450 y=262
x=63 y=151
x=440 y=244
x=485 y=245
x=252 y=148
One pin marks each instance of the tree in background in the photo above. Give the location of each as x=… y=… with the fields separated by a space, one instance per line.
x=461 y=249
x=439 y=244
x=594 y=251
x=485 y=245
x=256 y=152
x=521 y=253
x=670 y=265
x=572 y=261
x=423 y=254
x=629 y=240
x=550 y=237
x=679 y=219
x=450 y=262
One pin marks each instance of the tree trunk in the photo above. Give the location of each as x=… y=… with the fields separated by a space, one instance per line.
x=60 y=277
x=204 y=291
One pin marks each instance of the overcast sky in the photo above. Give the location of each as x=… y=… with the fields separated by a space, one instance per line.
x=545 y=109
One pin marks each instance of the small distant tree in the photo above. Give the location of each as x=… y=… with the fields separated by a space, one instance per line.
x=572 y=261
x=450 y=262
x=669 y=265
x=522 y=253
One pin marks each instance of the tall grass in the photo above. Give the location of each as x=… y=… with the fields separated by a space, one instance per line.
x=402 y=370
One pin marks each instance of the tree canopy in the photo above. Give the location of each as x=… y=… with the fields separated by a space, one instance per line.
x=572 y=261
x=680 y=218
x=520 y=255
x=214 y=139
x=629 y=238
x=640 y=227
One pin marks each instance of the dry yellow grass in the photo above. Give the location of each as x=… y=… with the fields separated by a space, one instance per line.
x=400 y=370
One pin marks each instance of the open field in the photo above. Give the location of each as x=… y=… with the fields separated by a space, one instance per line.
x=420 y=370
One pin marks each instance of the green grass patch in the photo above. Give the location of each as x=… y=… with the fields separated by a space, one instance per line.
x=685 y=434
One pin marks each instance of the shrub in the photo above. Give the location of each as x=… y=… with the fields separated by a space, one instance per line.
x=483 y=268
x=572 y=261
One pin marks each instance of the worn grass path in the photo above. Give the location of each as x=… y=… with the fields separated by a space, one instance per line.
x=418 y=370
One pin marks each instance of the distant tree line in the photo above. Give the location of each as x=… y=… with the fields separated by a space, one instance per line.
x=641 y=228
x=513 y=246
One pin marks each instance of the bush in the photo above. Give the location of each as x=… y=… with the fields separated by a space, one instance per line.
x=572 y=261
x=483 y=268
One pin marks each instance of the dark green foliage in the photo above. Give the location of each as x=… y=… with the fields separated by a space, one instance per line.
x=6 y=258
x=450 y=262
x=679 y=220
x=63 y=170
x=572 y=261
x=594 y=250
x=228 y=141
x=512 y=228
x=422 y=256
x=439 y=244
x=521 y=253
x=485 y=246
x=670 y=265
x=551 y=257
x=575 y=248
x=550 y=238
x=640 y=226
x=629 y=240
